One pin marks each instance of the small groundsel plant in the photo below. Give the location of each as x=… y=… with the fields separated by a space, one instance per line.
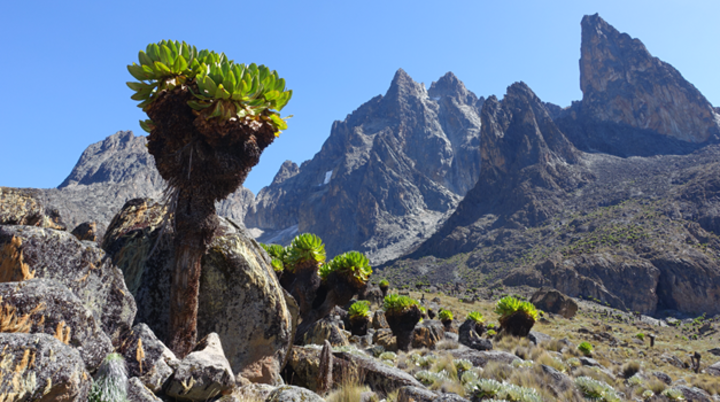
x=445 y=315
x=396 y=304
x=509 y=305
x=278 y=254
x=596 y=390
x=354 y=266
x=384 y=283
x=359 y=309
x=585 y=348
x=640 y=336
x=306 y=251
x=110 y=383
x=476 y=317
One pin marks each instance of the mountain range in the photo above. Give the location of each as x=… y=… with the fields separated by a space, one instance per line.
x=615 y=198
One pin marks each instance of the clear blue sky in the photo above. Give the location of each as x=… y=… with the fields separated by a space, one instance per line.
x=64 y=65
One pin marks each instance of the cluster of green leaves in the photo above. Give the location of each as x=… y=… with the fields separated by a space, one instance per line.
x=476 y=316
x=509 y=305
x=640 y=336
x=352 y=265
x=396 y=304
x=586 y=348
x=222 y=89
x=384 y=283
x=278 y=254
x=359 y=309
x=596 y=390
x=445 y=315
x=305 y=248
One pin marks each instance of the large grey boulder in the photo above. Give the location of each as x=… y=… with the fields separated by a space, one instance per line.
x=38 y=367
x=147 y=358
x=53 y=309
x=240 y=298
x=481 y=358
x=427 y=333
x=203 y=374
x=380 y=377
x=82 y=267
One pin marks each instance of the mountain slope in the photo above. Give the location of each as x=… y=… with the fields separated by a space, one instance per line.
x=385 y=177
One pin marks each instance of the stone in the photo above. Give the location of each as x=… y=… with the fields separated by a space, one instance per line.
x=673 y=360
x=694 y=394
x=138 y=392
x=289 y=393
x=662 y=377
x=51 y=308
x=38 y=367
x=82 y=267
x=147 y=358
x=251 y=392
x=325 y=329
x=427 y=333
x=470 y=338
x=481 y=358
x=385 y=338
x=203 y=374
x=553 y=301
x=86 y=231
x=538 y=337
x=417 y=394
x=713 y=369
x=240 y=297
x=27 y=207
x=380 y=377
x=558 y=381
x=450 y=398
x=378 y=320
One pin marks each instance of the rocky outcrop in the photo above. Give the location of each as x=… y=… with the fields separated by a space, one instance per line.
x=203 y=374
x=236 y=281
x=387 y=174
x=147 y=358
x=38 y=367
x=82 y=267
x=623 y=84
x=26 y=206
x=51 y=308
x=552 y=301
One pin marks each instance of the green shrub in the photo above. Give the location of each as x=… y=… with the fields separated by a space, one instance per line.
x=508 y=305
x=110 y=383
x=354 y=266
x=396 y=304
x=445 y=315
x=596 y=390
x=359 y=309
x=222 y=89
x=586 y=348
x=640 y=336
x=306 y=249
x=476 y=317
x=491 y=332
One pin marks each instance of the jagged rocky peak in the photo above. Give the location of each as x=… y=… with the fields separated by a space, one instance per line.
x=449 y=85
x=287 y=170
x=623 y=83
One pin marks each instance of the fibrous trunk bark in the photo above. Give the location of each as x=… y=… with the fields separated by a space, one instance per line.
x=195 y=225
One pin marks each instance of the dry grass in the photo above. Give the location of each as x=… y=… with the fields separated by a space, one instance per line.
x=351 y=388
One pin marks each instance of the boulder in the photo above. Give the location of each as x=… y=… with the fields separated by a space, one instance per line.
x=203 y=374
x=378 y=320
x=86 y=231
x=251 y=392
x=553 y=301
x=147 y=358
x=380 y=377
x=427 y=333
x=240 y=298
x=450 y=398
x=51 y=308
x=25 y=206
x=38 y=367
x=558 y=382
x=470 y=338
x=481 y=358
x=82 y=267
x=714 y=369
x=538 y=337
x=386 y=339
x=416 y=394
x=326 y=329
x=289 y=393
x=138 y=392
x=694 y=394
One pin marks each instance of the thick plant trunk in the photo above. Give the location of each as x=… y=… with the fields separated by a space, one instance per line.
x=402 y=325
x=195 y=225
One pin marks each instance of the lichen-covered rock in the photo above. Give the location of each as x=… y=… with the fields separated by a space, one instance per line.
x=416 y=394
x=252 y=392
x=289 y=393
x=378 y=320
x=38 y=367
x=427 y=333
x=147 y=358
x=553 y=301
x=82 y=267
x=51 y=308
x=380 y=377
x=25 y=206
x=470 y=338
x=481 y=358
x=240 y=298
x=86 y=231
x=385 y=338
x=138 y=392
x=325 y=329
x=203 y=374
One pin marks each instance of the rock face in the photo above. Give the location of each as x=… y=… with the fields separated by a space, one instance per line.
x=82 y=267
x=240 y=298
x=385 y=177
x=115 y=170
x=622 y=83
x=57 y=371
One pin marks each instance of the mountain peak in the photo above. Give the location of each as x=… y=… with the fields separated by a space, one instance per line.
x=450 y=85
x=622 y=83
